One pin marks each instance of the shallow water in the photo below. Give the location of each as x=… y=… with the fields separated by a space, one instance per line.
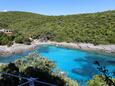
x=78 y=65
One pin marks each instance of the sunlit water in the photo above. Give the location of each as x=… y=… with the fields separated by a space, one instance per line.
x=78 y=65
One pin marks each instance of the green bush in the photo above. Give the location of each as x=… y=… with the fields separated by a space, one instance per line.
x=35 y=66
x=5 y=39
x=23 y=40
x=97 y=80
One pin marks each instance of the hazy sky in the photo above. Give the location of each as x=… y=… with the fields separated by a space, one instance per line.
x=57 y=7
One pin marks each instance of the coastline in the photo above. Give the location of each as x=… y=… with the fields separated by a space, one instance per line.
x=15 y=49
x=110 y=49
x=19 y=48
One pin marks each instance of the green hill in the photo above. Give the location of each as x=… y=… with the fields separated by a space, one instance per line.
x=96 y=28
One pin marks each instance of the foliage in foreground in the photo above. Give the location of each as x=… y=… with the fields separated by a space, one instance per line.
x=102 y=80
x=37 y=67
x=96 y=28
x=98 y=80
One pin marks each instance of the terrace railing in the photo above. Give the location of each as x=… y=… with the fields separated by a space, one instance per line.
x=30 y=81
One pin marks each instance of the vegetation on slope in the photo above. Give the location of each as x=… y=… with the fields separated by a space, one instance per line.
x=9 y=39
x=6 y=40
x=96 y=28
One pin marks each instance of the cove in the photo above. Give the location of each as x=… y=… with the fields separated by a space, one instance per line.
x=77 y=64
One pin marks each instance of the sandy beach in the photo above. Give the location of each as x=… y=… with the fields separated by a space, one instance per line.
x=19 y=48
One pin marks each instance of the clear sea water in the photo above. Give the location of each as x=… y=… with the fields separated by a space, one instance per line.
x=77 y=64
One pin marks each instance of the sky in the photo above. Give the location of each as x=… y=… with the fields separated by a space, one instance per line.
x=57 y=7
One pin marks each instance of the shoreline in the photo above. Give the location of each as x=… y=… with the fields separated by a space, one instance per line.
x=15 y=49
x=20 y=48
x=110 y=49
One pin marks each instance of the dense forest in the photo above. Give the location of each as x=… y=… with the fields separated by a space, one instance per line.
x=96 y=28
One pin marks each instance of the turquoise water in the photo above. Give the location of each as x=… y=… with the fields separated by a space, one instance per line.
x=78 y=65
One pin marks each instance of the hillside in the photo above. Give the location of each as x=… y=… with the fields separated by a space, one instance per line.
x=96 y=28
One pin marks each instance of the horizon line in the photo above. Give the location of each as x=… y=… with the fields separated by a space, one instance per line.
x=56 y=14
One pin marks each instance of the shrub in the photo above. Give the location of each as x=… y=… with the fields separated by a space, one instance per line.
x=36 y=67
x=98 y=80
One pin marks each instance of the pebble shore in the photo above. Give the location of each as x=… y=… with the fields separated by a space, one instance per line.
x=19 y=48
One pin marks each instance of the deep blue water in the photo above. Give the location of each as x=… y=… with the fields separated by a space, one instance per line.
x=78 y=65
